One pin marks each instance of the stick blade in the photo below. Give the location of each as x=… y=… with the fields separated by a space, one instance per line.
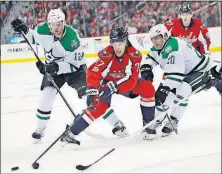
x=81 y=167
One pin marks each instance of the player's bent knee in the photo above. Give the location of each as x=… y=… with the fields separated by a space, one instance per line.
x=184 y=89
x=146 y=89
x=98 y=110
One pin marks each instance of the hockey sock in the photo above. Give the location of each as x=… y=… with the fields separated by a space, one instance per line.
x=42 y=118
x=148 y=113
x=111 y=117
x=43 y=114
x=218 y=86
x=81 y=123
x=178 y=111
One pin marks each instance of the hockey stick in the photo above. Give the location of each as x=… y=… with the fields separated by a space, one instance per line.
x=35 y=165
x=97 y=136
x=216 y=61
x=81 y=167
x=174 y=129
x=160 y=117
x=168 y=112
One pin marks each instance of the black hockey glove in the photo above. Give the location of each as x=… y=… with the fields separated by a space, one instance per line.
x=214 y=78
x=81 y=91
x=216 y=74
x=40 y=66
x=161 y=94
x=51 y=68
x=146 y=72
x=18 y=26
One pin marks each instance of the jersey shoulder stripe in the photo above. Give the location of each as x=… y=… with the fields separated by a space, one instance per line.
x=43 y=28
x=170 y=46
x=70 y=40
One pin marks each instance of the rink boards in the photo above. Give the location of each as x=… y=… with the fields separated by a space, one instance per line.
x=15 y=53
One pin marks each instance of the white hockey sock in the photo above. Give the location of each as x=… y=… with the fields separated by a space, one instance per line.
x=42 y=118
x=43 y=113
x=110 y=116
x=42 y=123
x=179 y=110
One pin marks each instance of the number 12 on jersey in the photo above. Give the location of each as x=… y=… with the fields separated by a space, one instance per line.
x=78 y=56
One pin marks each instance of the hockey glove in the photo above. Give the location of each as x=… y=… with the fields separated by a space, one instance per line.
x=40 y=66
x=51 y=68
x=146 y=72
x=214 y=78
x=81 y=91
x=161 y=94
x=92 y=97
x=215 y=73
x=18 y=26
x=109 y=89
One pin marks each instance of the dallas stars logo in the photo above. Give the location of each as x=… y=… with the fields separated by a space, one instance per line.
x=49 y=57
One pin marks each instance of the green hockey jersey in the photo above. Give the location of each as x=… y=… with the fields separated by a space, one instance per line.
x=177 y=58
x=65 y=51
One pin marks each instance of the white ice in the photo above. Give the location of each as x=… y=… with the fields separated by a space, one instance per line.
x=197 y=147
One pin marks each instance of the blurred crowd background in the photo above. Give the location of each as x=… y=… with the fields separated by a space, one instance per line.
x=93 y=19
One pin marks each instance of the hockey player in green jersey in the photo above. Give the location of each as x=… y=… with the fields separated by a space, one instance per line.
x=185 y=70
x=65 y=61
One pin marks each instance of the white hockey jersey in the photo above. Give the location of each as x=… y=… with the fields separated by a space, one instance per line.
x=65 y=51
x=177 y=58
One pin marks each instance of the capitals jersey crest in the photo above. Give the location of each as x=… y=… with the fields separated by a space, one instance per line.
x=104 y=53
x=135 y=54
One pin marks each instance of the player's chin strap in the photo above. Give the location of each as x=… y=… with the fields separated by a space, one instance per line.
x=93 y=135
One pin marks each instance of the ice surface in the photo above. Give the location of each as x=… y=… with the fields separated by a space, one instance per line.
x=197 y=147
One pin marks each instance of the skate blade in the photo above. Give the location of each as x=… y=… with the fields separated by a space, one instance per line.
x=63 y=144
x=37 y=141
x=122 y=135
x=148 y=137
x=166 y=134
x=69 y=146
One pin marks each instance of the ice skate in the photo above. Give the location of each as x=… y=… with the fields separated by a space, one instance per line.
x=38 y=134
x=150 y=132
x=168 y=129
x=120 y=130
x=69 y=138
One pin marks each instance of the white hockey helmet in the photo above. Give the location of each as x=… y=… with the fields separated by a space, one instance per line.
x=56 y=15
x=157 y=30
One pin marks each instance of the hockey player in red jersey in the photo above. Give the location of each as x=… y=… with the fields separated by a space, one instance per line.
x=115 y=72
x=193 y=31
x=190 y=29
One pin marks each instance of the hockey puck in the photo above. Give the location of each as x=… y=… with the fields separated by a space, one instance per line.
x=35 y=165
x=14 y=168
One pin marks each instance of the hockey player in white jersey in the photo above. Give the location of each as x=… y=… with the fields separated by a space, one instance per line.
x=65 y=61
x=185 y=70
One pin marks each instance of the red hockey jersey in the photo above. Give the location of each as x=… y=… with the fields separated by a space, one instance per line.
x=124 y=71
x=196 y=34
